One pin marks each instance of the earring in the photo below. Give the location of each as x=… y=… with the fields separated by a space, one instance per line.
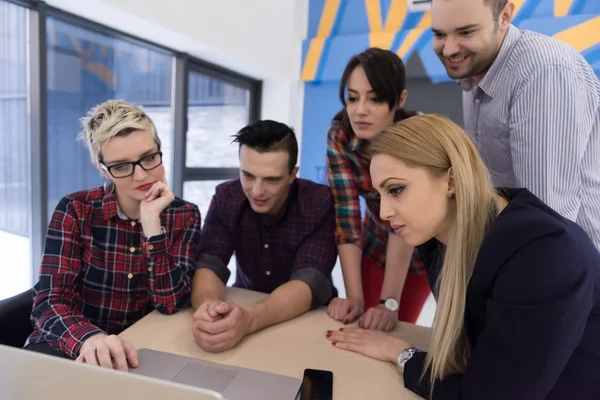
x=452 y=196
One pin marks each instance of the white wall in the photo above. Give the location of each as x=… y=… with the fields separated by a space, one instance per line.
x=259 y=38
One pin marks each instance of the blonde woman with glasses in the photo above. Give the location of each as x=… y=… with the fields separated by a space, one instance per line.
x=517 y=285
x=114 y=253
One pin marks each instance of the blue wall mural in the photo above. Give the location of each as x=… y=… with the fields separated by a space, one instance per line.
x=338 y=29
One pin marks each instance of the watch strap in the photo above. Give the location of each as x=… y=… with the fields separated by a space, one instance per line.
x=406 y=355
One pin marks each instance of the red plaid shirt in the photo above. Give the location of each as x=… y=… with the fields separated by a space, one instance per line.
x=99 y=274
x=350 y=178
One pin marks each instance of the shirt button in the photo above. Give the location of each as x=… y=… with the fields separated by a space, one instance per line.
x=132 y=249
x=129 y=276
x=149 y=269
x=129 y=299
x=268 y=273
x=266 y=245
x=132 y=223
x=150 y=247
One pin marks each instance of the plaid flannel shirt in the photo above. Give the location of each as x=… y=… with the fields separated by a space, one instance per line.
x=99 y=274
x=349 y=176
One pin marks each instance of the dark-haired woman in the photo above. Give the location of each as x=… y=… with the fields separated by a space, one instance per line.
x=382 y=275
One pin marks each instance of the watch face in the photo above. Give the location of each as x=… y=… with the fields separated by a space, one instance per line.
x=391 y=304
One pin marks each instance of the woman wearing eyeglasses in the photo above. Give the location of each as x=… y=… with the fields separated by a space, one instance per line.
x=114 y=253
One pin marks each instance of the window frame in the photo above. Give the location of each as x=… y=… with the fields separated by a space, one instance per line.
x=184 y=64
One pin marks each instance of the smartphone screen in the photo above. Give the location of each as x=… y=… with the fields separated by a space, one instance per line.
x=317 y=385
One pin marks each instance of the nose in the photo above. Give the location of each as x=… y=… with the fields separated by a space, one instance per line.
x=386 y=210
x=451 y=47
x=138 y=173
x=362 y=108
x=257 y=188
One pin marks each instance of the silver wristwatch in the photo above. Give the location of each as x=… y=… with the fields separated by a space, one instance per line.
x=406 y=355
x=391 y=304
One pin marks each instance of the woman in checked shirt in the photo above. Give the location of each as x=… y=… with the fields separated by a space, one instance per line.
x=114 y=253
x=382 y=274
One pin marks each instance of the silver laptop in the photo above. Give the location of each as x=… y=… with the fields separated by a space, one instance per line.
x=26 y=375
x=234 y=383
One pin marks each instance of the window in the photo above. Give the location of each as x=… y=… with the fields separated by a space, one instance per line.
x=86 y=68
x=15 y=238
x=217 y=108
x=54 y=67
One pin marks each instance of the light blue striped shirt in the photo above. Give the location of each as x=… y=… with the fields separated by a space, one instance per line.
x=535 y=118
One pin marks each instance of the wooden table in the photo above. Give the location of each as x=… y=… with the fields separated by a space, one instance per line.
x=286 y=349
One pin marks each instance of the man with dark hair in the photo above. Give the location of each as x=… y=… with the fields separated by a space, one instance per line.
x=282 y=231
x=531 y=104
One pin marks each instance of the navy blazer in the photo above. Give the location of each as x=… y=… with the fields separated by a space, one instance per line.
x=532 y=310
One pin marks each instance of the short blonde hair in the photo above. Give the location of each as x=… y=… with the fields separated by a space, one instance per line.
x=111 y=119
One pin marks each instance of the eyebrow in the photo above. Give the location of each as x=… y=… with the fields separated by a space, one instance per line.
x=356 y=91
x=460 y=28
x=266 y=177
x=382 y=184
x=144 y=154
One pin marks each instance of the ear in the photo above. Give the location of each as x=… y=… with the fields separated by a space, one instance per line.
x=506 y=16
x=403 y=97
x=294 y=174
x=451 y=183
x=103 y=172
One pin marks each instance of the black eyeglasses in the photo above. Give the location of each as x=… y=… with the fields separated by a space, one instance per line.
x=124 y=170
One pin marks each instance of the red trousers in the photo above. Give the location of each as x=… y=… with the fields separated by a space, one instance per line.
x=415 y=292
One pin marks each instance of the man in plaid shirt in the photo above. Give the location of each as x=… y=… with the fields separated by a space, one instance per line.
x=114 y=253
x=282 y=230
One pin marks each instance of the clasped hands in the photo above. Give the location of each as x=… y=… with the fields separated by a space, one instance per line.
x=219 y=325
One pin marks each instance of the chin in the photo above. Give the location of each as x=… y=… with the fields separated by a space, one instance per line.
x=260 y=209
x=365 y=135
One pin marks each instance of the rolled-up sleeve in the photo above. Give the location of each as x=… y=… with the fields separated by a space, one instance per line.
x=344 y=188
x=216 y=244
x=317 y=256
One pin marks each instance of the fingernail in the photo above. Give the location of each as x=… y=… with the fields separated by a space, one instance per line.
x=341 y=329
x=328 y=334
x=345 y=322
x=333 y=343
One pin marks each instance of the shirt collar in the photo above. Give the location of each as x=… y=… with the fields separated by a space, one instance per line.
x=110 y=207
x=355 y=143
x=492 y=78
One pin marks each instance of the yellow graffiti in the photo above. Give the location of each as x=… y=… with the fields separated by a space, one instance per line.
x=382 y=34
x=581 y=36
x=518 y=4
x=414 y=35
x=315 y=49
x=562 y=7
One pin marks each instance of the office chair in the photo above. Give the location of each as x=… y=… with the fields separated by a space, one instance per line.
x=15 y=325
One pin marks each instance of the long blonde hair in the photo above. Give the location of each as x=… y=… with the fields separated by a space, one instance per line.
x=436 y=143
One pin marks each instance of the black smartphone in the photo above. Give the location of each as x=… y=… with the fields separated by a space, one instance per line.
x=317 y=385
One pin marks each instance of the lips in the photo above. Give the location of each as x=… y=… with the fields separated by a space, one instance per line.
x=456 y=60
x=362 y=124
x=257 y=201
x=144 y=187
x=398 y=229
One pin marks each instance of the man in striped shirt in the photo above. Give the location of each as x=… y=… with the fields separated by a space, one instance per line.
x=531 y=105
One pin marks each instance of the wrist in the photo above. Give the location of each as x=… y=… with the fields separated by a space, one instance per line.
x=90 y=341
x=151 y=226
x=251 y=320
x=396 y=349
